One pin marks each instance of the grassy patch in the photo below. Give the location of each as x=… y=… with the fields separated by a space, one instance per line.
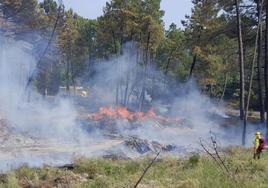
x=196 y=171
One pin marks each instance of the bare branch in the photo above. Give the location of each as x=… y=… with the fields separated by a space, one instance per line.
x=146 y=169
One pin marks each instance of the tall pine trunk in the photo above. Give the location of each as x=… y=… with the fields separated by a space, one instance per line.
x=252 y=74
x=259 y=65
x=241 y=62
x=266 y=68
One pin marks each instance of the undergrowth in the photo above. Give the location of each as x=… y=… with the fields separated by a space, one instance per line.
x=194 y=171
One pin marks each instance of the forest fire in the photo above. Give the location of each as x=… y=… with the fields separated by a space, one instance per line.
x=120 y=112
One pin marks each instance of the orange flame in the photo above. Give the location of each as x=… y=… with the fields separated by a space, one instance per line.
x=123 y=113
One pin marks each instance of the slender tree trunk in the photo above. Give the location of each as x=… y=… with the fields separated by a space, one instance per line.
x=241 y=62
x=147 y=48
x=166 y=72
x=169 y=59
x=192 y=66
x=260 y=90
x=67 y=76
x=117 y=84
x=266 y=68
x=72 y=77
x=121 y=40
x=126 y=91
x=251 y=75
x=116 y=94
x=142 y=97
x=114 y=41
x=224 y=88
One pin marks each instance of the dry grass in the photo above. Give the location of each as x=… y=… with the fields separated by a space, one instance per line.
x=191 y=172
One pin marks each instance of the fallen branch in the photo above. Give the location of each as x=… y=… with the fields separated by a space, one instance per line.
x=146 y=169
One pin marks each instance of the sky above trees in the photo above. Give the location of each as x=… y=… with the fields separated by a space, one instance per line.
x=175 y=10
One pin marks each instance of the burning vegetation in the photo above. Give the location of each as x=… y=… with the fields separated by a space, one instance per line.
x=121 y=112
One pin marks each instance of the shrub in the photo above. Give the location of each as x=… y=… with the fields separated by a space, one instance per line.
x=193 y=160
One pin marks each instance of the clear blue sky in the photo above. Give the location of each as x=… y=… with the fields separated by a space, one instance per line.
x=175 y=10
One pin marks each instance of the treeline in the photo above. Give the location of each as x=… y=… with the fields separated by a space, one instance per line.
x=207 y=49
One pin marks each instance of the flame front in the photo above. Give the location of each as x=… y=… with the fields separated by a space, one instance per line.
x=123 y=113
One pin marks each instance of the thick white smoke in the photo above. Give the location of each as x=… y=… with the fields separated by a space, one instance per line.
x=33 y=115
x=168 y=97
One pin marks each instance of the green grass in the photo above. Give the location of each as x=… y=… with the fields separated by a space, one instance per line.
x=190 y=172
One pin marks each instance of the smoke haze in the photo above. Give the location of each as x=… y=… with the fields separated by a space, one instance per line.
x=121 y=81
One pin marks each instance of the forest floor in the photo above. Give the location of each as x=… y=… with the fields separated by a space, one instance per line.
x=17 y=148
x=95 y=164
x=193 y=171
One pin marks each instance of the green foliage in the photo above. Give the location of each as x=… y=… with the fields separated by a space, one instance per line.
x=194 y=159
x=210 y=34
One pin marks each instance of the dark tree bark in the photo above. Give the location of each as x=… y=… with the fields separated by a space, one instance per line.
x=192 y=66
x=169 y=59
x=167 y=65
x=114 y=41
x=259 y=65
x=241 y=61
x=266 y=68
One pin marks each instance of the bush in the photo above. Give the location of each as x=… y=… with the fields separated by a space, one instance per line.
x=193 y=160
